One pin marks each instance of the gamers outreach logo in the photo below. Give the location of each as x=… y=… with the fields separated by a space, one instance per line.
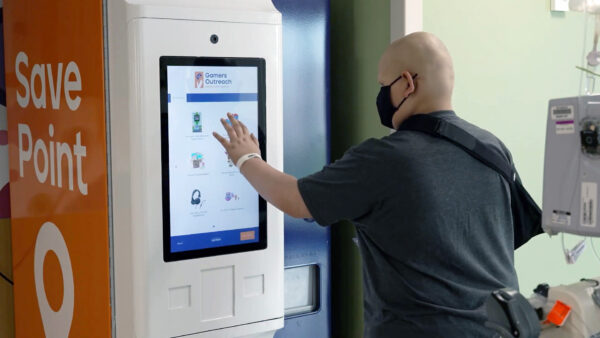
x=199 y=80
x=213 y=80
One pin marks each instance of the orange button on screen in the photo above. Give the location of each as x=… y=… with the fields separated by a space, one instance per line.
x=247 y=235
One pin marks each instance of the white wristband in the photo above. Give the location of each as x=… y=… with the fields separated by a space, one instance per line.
x=245 y=158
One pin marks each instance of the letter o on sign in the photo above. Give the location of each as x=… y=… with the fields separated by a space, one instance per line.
x=57 y=324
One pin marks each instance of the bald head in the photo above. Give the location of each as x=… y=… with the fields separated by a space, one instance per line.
x=423 y=54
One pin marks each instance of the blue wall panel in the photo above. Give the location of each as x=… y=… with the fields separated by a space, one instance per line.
x=306 y=144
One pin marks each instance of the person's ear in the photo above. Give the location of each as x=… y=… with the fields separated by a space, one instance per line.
x=410 y=86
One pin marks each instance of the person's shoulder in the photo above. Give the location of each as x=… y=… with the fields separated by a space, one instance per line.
x=372 y=151
x=369 y=145
x=485 y=136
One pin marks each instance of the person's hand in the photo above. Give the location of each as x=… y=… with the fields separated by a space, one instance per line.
x=241 y=141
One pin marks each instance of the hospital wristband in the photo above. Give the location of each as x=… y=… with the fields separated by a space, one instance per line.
x=245 y=158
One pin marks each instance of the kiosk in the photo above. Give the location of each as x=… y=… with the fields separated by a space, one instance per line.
x=197 y=252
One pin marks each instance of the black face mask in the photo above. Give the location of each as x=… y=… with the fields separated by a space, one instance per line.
x=385 y=108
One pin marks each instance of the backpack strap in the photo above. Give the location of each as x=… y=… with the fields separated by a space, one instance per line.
x=527 y=215
x=440 y=128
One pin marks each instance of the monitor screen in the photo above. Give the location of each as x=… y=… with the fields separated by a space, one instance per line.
x=208 y=206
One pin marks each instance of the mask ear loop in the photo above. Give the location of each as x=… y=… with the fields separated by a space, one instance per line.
x=401 y=102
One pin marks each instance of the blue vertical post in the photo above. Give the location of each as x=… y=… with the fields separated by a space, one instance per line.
x=306 y=147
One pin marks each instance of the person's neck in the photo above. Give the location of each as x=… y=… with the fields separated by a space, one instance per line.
x=432 y=106
x=425 y=108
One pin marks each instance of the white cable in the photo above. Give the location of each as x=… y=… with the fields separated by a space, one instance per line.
x=572 y=255
x=594 y=249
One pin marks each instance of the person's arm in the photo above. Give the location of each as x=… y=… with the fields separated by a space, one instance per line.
x=276 y=187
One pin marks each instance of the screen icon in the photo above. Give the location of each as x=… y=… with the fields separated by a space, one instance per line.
x=197 y=200
x=198 y=161
x=235 y=116
x=229 y=196
x=199 y=80
x=229 y=161
x=197 y=122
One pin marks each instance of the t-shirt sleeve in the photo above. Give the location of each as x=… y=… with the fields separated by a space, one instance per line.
x=348 y=188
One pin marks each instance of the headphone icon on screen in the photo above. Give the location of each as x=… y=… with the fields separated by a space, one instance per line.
x=196 y=201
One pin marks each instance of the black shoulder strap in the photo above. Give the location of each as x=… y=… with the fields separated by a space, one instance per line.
x=527 y=215
x=438 y=127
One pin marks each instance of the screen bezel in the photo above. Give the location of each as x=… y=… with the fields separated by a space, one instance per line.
x=166 y=61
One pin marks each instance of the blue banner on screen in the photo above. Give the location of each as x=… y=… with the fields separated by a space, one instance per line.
x=214 y=239
x=222 y=97
x=211 y=203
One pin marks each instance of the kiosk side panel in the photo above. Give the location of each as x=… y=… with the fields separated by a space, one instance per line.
x=306 y=142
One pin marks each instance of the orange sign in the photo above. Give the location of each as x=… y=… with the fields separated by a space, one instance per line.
x=58 y=169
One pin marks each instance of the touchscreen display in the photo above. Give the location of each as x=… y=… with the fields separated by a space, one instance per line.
x=212 y=209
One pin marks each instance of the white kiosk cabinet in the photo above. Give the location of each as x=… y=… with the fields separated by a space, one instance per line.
x=196 y=251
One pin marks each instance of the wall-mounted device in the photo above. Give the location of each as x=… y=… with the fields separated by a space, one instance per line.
x=572 y=166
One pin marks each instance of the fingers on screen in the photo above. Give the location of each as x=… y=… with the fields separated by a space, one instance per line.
x=221 y=139
x=230 y=131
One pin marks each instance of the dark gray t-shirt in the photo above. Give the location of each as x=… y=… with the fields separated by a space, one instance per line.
x=434 y=227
